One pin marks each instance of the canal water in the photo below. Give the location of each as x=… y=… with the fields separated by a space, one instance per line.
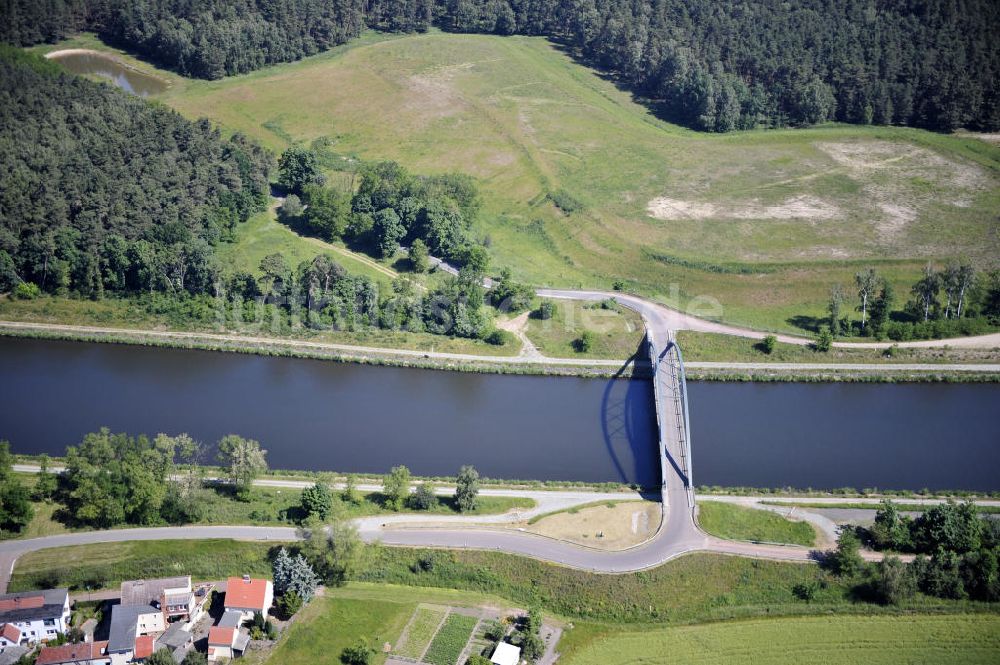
x=106 y=67
x=322 y=415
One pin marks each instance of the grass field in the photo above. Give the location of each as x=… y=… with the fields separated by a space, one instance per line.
x=727 y=520
x=617 y=333
x=328 y=625
x=713 y=347
x=419 y=631
x=835 y=640
x=761 y=221
x=450 y=640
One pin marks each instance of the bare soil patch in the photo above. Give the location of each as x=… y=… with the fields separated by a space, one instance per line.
x=798 y=207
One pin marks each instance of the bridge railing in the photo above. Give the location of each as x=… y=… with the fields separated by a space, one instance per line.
x=674 y=370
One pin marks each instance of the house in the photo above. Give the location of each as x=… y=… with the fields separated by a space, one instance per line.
x=506 y=654
x=172 y=596
x=10 y=635
x=248 y=596
x=82 y=653
x=178 y=640
x=133 y=628
x=231 y=619
x=226 y=643
x=39 y=616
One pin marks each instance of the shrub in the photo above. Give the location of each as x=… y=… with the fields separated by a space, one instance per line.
x=585 y=342
x=824 y=342
x=499 y=337
x=27 y=291
x=546 y=310
x=769 y=343
x=359 y=654
x=424 y=497
x=565 y=201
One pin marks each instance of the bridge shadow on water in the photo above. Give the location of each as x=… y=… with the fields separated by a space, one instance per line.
x=628 y=423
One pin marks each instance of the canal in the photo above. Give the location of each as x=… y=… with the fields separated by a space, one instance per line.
x=321 y=415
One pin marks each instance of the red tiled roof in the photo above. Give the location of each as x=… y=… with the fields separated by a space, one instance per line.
x=21 y=603
x=219 y=636
x=244 y=594
x=71 y=653
x=11 y=633
x=143 y=646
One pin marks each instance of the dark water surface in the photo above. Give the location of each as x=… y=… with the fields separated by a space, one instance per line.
x=124 y=77
x=322 y=415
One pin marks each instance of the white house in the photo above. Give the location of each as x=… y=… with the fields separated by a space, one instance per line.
x=39 y=616
x=226 y=643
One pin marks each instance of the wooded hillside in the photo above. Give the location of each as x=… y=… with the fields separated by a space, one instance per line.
x=713 y=65
x=105 y=191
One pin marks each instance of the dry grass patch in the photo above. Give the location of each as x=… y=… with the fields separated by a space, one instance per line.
x=607 y=526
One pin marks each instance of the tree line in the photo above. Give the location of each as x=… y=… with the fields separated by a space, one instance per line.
x=957 y=554
x=715 y=65
x=105 y=192
x=951 y=301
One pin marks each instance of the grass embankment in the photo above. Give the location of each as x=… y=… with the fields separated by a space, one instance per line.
x=733 y=522
x=763 y=221
x=840 y=640
x=694 y=588
x=267 y=506
x=616 y=332
x=713 y=347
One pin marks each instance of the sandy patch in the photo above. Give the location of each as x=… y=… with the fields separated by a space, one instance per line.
x=624 y=525
x=798 y=207
x=885 y=168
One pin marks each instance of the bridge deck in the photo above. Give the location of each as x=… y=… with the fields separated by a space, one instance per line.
x=671 y=416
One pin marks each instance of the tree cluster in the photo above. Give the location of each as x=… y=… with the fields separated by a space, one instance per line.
x=963 y=549
x=106 y=192
x=956 y=300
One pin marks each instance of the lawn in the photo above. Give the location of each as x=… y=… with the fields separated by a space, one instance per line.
x=328 y=625
x=727 y=520
x=714 y=347
x=963 y=639
x=419 y=631
x=450 y=640
x=617 y=332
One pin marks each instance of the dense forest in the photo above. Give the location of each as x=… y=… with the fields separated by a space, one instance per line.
x=106 y=192
x=715 y=65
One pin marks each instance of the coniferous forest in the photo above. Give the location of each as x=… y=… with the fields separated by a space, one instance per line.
x=105 y=191
x=714 y=65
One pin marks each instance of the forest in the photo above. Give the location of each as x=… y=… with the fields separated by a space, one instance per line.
x=106 y=192
x=713 y=65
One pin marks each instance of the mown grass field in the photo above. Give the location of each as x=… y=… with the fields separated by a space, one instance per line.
x=963 y=639
x=616 y=333
x=727 y=520
x=328 y=625
x=761 y=221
